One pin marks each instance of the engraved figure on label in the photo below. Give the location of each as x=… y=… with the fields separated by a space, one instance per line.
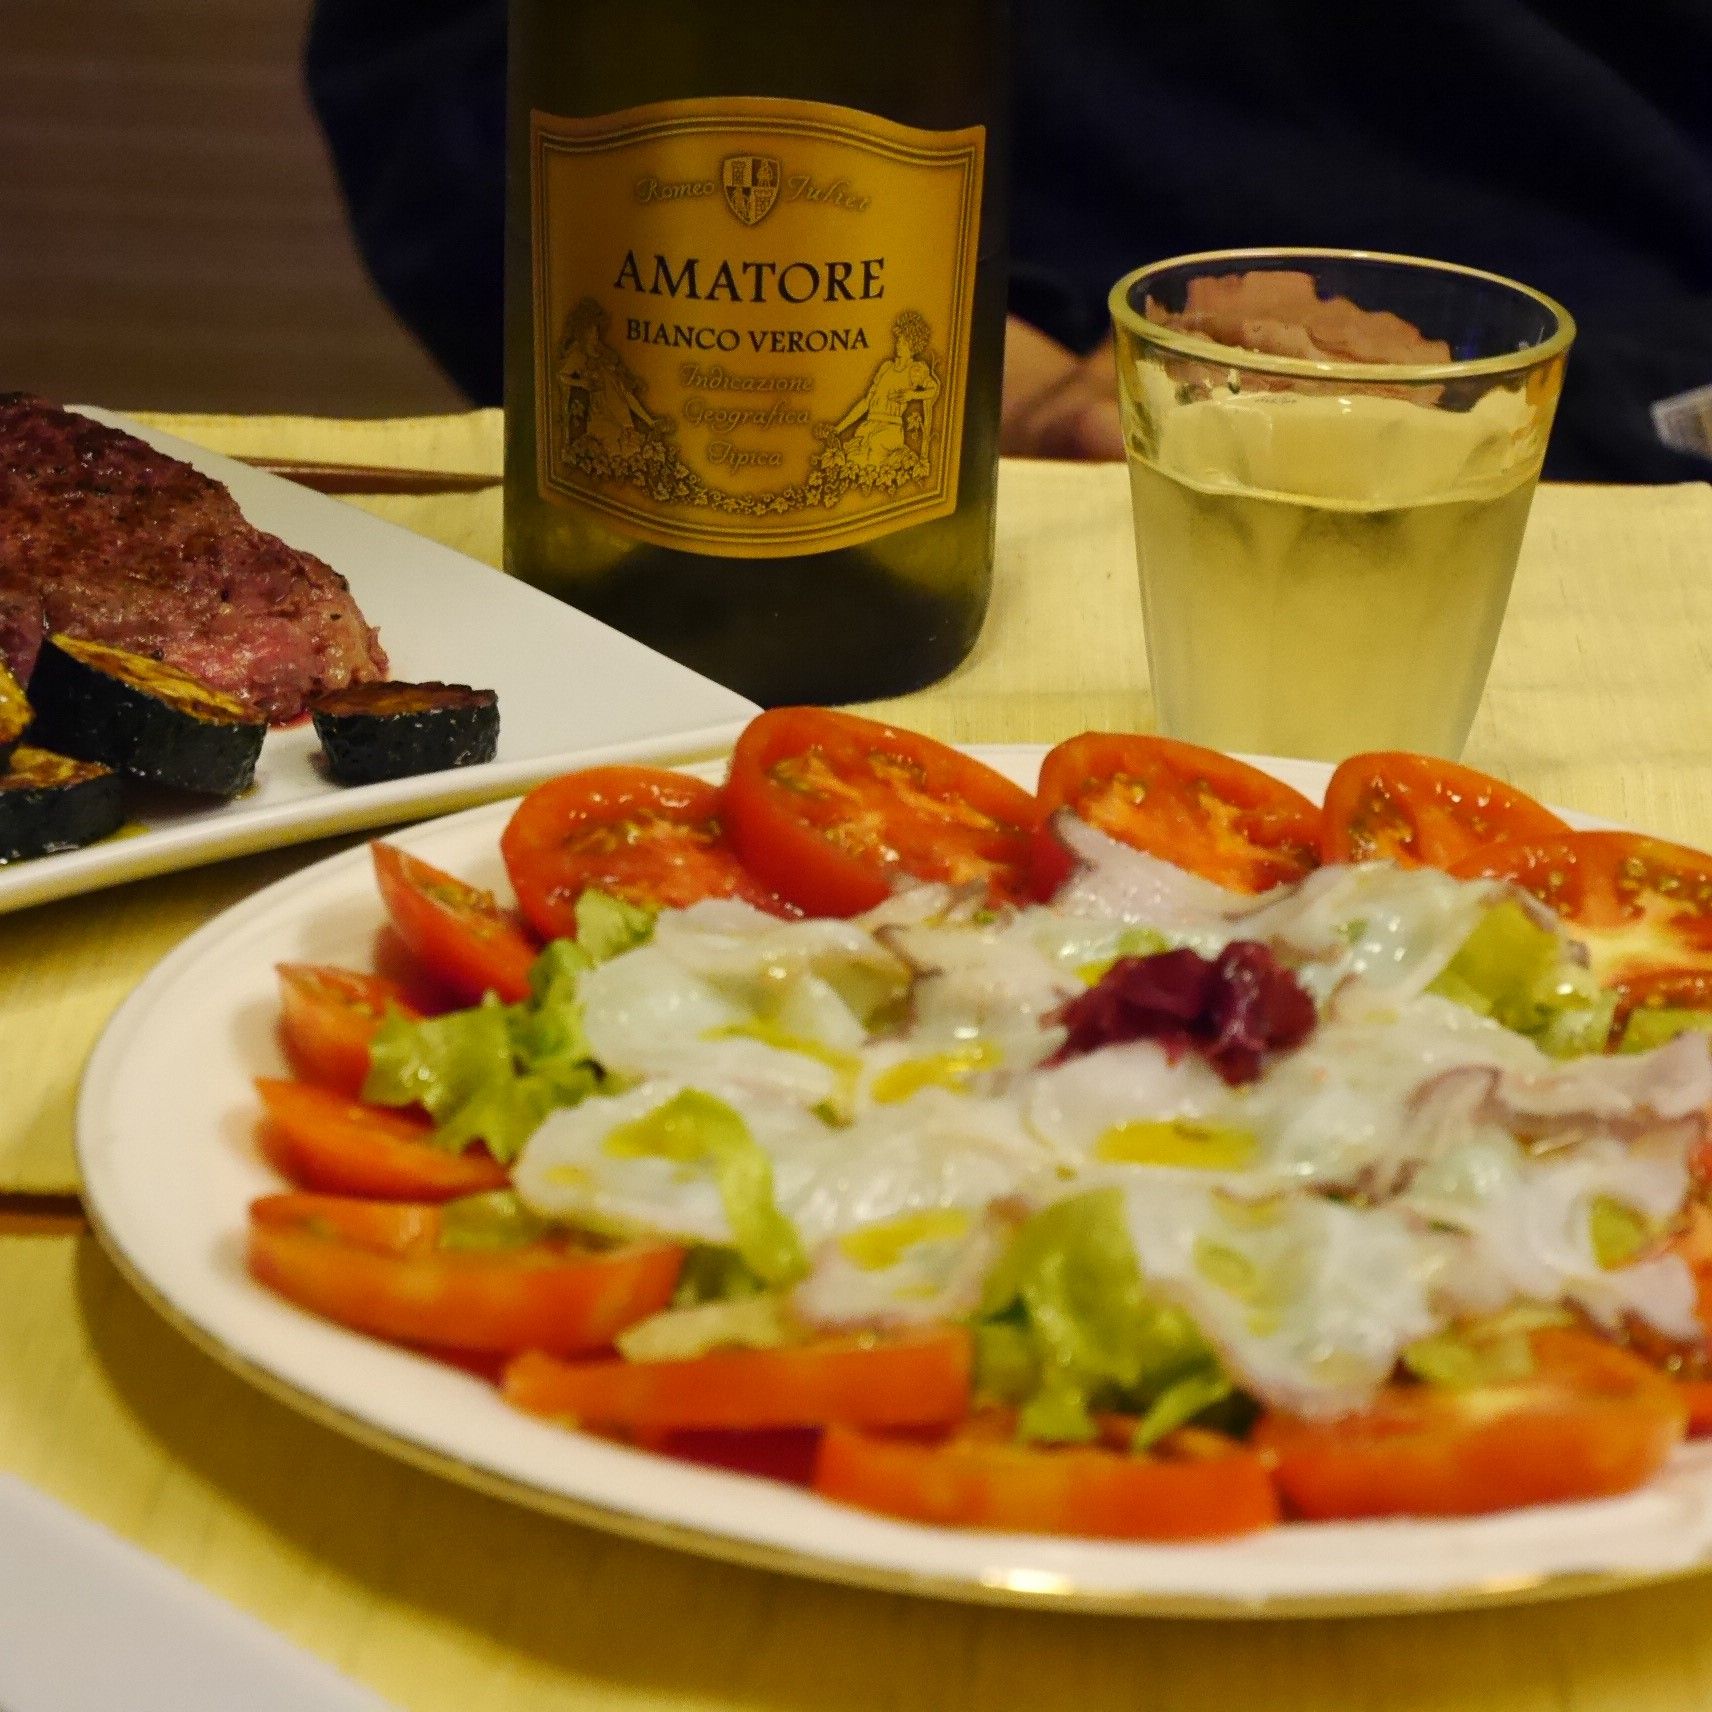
x=600 y=405
x=899 y=398
x=751 y=184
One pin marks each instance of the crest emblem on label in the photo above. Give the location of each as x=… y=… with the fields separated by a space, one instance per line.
x=751 y=186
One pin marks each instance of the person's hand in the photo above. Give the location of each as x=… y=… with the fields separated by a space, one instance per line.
x=1057 y=404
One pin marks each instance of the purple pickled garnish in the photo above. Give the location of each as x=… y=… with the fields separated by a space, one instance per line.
x=1232 y=1009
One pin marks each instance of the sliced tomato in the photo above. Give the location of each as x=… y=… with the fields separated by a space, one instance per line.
x=1216 y=816
x=381 y=1227
x=831 y=810
x=1591 y=1420
x=920 y=1380
x=1665 y=989
x=1692 y=1245
x=319 y=1140
x=780 y=1453
x=1697 y=1399
x=643 y=834
x=378 y=1270
x=328 y=1017
x=456 y=932
x=1419 y=811
x=1644 y=907
x=974 y=1480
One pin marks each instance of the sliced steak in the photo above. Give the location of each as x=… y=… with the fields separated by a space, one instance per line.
x=104 y=538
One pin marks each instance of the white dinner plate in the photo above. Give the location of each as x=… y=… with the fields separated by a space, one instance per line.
x=572 y=692
x=170 y=1164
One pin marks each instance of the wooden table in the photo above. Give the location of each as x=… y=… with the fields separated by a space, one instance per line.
x=441 y=1598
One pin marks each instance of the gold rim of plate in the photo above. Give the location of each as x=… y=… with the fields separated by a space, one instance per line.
x=1026 y=1589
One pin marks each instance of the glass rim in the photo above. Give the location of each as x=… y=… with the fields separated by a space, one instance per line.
x=1128 y=319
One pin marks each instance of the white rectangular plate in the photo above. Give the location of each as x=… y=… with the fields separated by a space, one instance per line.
x=572 y=693
x=91 y=1624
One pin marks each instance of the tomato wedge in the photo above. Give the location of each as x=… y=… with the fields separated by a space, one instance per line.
x=378 y=1270
x=1665 y=989
x=971 y=1480
x=830 y=810
x=328 y=1016
x=785 y=1454
x=1215 y=816
x=1697 y=1399
x=456 y=932
x=643 y=834
x=1644 y=907
x=319 y=1140
x=1692 y=1244
x=1592 y=1420
x=382 y=1227
x=1419 y=811
x=920 y=1380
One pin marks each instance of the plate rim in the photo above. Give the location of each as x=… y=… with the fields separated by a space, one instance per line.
x=104 y=1075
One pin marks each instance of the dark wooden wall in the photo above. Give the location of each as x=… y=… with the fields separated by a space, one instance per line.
x=170 y=231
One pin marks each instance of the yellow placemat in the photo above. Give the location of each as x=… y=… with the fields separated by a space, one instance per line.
x=446 y=1601
x=1601 y=690
x=470 y=443
x=65 y=967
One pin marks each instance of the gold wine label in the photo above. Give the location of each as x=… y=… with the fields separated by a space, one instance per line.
x=752 y=320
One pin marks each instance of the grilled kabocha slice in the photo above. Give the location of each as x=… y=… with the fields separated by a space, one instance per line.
x=14 y=714
x=390 y=730
x=144 y=717
x=51 y=802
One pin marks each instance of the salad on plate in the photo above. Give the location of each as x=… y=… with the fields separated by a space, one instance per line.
x=1157 y=1155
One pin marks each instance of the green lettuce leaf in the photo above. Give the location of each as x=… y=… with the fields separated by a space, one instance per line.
x=714 y=1275
x=1521 y=974
x=547 y=1028
x=1132 y=942
x=694 y=1128
x=681 y=1334
x=1178 y=1404
x=1068 y=1325
x=1490 y=1351
x=607 y=925
x=493 y=1072
x=489 y=1223
x=461 y=1069
x=1651 y=1026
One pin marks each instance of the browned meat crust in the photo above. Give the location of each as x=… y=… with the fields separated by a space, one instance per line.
x=106 y=539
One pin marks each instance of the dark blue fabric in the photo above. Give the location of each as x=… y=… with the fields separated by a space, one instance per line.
x=1565 y=142
x=411 y=96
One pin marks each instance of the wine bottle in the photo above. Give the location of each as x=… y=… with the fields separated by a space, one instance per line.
x=754 y=328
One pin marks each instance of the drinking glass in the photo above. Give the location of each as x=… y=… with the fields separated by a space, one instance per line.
x=1332 y=454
